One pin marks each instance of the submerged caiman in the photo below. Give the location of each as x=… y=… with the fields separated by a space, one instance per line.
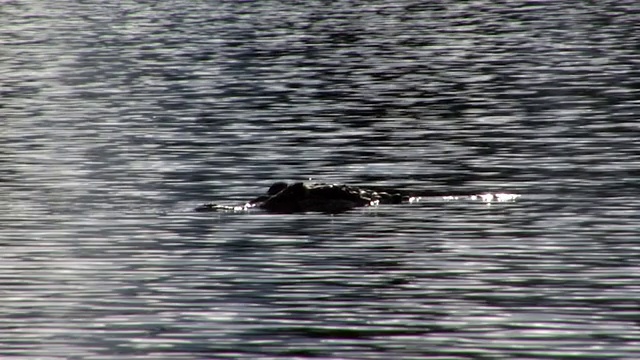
x=300 y=197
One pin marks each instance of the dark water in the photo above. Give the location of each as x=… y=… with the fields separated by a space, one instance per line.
x=117 y=118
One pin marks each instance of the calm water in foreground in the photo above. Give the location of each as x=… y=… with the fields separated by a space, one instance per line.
x=117 y=118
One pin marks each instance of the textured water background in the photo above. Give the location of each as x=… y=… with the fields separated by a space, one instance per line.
x=117 y=118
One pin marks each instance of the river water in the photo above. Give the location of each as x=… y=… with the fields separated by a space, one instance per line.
x=117 y=118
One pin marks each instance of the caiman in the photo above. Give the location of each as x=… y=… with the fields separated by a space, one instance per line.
x=300 y=197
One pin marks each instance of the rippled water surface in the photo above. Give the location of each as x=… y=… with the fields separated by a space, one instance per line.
x=118 y=118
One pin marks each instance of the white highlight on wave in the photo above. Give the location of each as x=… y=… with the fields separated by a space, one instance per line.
x=488 y=197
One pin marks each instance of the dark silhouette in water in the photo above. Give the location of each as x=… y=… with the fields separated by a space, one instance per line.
x=326 y=198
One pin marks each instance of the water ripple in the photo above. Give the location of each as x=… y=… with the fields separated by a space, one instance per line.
x=120 y=118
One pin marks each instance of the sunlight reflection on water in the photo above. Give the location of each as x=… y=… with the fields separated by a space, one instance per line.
x=121 y=118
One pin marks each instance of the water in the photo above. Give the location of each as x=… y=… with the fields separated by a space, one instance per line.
x=119 y=118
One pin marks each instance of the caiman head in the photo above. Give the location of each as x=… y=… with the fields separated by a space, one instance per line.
x=283 y=198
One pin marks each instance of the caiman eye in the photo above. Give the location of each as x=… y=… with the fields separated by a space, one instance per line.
x=277 y=187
